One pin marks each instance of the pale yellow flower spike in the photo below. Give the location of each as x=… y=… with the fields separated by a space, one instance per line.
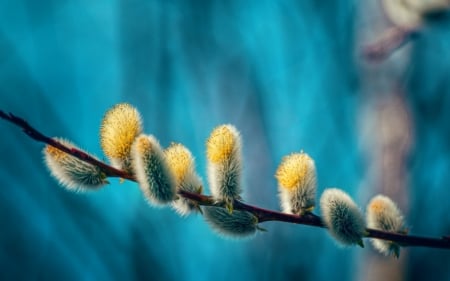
x=223 y=150
x=221 y=144
x=180 y=161
x=294 y=170
x=120 y=126
x=182 y=164
x=297 y=185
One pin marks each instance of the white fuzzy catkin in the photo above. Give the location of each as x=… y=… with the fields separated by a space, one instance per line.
x=342 y=217
x=238 y=224
x=120 y=126
x=71 y=172
x=152 y=172
x=223 y=149
x=382 y=214
x=181 y=162
x=429 y=6
x=297 y=183
x=410 y=14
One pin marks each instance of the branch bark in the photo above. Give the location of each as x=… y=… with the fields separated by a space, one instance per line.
x=263 y=215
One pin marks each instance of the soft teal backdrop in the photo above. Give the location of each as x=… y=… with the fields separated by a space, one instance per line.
x=283 y=72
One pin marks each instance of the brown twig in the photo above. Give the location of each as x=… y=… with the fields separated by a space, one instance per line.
x=390 y=41
x=36 y=135
x=263 y=215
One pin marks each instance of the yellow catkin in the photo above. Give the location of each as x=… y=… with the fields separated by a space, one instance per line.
x=56 y=153
x=143 y=144
x=377 y=206
x=294 y=170
x=382 y=213
x=120 y=126
x=221 y=143
x=182 y=166
x=70 y=171
x=179 y=160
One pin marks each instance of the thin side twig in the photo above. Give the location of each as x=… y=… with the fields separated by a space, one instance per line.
x=263 y=215
x=391 y=40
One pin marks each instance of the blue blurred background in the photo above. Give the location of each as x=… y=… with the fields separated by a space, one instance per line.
x=286 y=73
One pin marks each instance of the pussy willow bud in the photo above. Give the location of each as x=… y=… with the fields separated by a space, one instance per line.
x=429 y=6
x=70 y=171
x=120 y=126
x=342 y=217
x=238 y=224
x=152 y=171
x=411 y=14
x=383 y=214
x=297 y=185
x=181 y=163
x=401 y=14
x=223 y=150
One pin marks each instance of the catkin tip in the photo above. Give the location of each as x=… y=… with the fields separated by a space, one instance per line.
x=223 y=149
x=296 y=170
x=182 y=164
x=297 y=184
x=120 y=126
x=222 y=143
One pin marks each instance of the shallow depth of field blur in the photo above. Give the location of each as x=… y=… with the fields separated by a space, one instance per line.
x=288 y=74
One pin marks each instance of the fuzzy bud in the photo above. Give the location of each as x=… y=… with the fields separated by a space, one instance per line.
x=223 y=150
x=120 y=126
x=238 y=224
x=181 y=162
x=71 y=172
x=342 y=217
x=383 y=214
x=411 y=14
x=152 y=171
x=401 y=14
x=429 y=6
x=297 y=183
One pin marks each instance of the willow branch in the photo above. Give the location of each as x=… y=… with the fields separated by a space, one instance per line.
x=263 y=215
x=38 y=136
x=390 y=41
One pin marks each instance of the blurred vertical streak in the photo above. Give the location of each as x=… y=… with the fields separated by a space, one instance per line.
x=147 y=81
x=429 y=92
x=385 y=127
x=143 y=44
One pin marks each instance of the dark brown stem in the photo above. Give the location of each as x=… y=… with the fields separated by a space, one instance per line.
x=263 y=215
x=410 y=240
x=36 y=135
